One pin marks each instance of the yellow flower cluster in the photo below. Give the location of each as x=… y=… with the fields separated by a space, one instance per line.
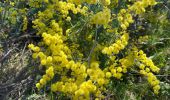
x=55 y=28
x=146 y=68
x=79 y=87
x=35 y=3
x=143 y=39
x=117 y=46
x=64 y=8
x=34 y=48
x=124 y=64
x=47 y=77
x=25 y=23
x=40 y=26
x=116 y=71
x=82 y=1
x=147 y=61
x=125 y=18
x=78 y=92
x=78 y=71
x=140 y=6
x=154 y=82
x=105 y=2
x=102 y=17
x=12 y=3
x=65 y=86
x=1 y=9
x=96 y=74
x=61 y=6
x=83 y=93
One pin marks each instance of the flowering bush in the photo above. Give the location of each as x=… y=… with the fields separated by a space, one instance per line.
x=84 y=50
x=88 y=44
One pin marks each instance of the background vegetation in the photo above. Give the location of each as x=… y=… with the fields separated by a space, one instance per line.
x=18 y=74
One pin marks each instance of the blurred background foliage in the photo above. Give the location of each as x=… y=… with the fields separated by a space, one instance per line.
x=152 y=28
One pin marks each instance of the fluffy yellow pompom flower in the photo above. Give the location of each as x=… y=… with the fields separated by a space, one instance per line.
x=42 y=81
x=49 y=59
x=119 y=69
x=108 y=74
x=43 y=62
x=25 y=23
x=142 y=66
x=50 y=72
x=38 y=85
x=46 y=1
x=118 y=75
x=34 y=55
x=105 y=2
x=102 y=17
x=100 y=81
x=68 y=18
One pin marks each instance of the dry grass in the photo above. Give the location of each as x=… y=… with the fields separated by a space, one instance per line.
x=16 y=78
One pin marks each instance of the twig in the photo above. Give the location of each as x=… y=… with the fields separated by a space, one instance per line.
x=161 y=39
x=6 y=55
x=23 y=53
x=22 y=37
x=162 y=75
x=94 y=45
x=166 y=7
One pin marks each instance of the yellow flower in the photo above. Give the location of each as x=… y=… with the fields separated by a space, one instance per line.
x=120 y=18
x=49 y=59
x=53 y=87
x=124 y=70
x=108 y=74
x=30 y=46
x=113 y=71
x=42 y=81
x=119 y=69
x=43 y=62
x=157 y=87
x=46 y=1
x=142 y=66
x=38 y=85
x=68 y=18
x=118 y=75
x=141 y=52
x=156 y=91
x=122 y=11
x=79 y=92
x=25 y=23
x=46 y=77
x=153 y=83
x=101 y=18
x=142 y=72
x=147 y=70
x=41 y=55
x=12 y=3
x=123 y=26
x=105 y=2
x=34 y=55
x=36 y=49
x=100 y=81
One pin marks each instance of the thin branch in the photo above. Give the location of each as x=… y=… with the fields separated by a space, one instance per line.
x=94 y=45
x=162 y=75
x=1 y=59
